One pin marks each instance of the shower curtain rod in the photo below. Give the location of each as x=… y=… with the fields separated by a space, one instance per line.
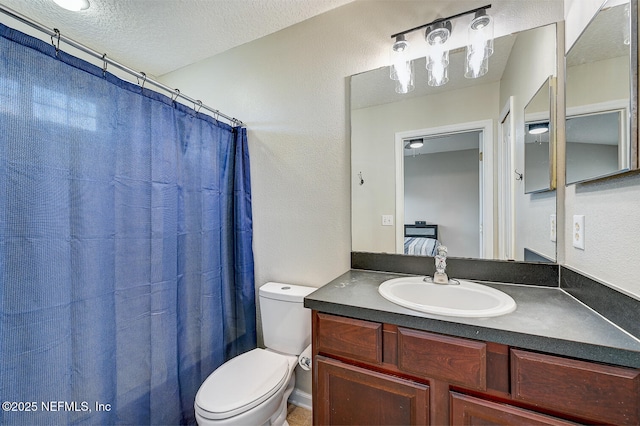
x=55 y=33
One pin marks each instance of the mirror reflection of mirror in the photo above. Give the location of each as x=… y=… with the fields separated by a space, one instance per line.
x=538 y=151
x=598 y=83
x=384 y=122
x=595 y=145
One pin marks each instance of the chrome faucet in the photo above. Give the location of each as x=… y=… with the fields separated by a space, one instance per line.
x=440 y=277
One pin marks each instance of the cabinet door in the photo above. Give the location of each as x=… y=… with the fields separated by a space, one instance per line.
x=469 y=411
x=350 y=395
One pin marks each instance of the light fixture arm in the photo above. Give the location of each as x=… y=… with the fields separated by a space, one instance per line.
x=468 y=12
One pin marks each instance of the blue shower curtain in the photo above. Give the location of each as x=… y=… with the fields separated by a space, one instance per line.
x=126 y=268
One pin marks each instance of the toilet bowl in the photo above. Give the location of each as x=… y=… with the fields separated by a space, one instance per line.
x=250 y=389
x=253 y=388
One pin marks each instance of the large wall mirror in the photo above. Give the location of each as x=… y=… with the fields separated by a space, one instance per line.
x=601 y=74
x=460 y=186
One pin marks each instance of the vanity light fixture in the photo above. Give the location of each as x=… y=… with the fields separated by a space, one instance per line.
x=436 y=36
x=480 y=45
x=73 y=5
x=401 y=65
x=479 y=49
x=538 y=128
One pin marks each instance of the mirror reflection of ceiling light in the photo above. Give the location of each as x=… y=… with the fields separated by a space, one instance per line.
x=415 y=143
x=627 y=25
x=73 y=5
x=538 y=128
x=479 y=49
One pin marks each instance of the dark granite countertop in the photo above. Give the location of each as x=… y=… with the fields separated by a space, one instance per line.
x=547 y=319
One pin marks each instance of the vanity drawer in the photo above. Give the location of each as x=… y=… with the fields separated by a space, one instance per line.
x=350 y=338
x=596 y=392
x=455 y=360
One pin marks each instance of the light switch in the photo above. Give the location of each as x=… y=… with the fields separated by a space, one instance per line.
x=387 y=220
x=552 y=225
x=578 y=231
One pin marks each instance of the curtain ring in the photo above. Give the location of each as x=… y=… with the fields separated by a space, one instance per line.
x=216 y=115
x=199 y=102
x=144 y=79
x=104 y=65
x=56 y=45
x=175 y=92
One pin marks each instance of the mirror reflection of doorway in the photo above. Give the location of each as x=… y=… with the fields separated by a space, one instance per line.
x=443 y=186
x=506 y=198
x=451 y=213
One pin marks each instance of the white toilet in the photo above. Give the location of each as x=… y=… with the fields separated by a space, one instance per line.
x=253 y=388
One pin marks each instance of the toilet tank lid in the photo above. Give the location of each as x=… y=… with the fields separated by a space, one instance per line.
x=286 y=292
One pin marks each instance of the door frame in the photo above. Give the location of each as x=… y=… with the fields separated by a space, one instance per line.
x=506 y=185
x=486 y=177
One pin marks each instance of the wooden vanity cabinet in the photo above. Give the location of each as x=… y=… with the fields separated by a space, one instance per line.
x=381 y=374
x=469 y=410
x=356 y=396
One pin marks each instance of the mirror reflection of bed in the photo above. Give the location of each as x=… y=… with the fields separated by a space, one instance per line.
x=421 y=239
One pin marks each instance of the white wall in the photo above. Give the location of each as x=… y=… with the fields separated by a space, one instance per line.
x=290 y=89
x=586 y=86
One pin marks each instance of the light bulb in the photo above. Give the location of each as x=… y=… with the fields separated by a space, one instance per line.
x=437 y=75
x=73 y=5
x=399 y=55
x=405 y=75
x=480 y=45
x=401 y=68
x=438 y=56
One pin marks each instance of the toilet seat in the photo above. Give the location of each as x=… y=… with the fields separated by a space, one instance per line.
x=242 y=383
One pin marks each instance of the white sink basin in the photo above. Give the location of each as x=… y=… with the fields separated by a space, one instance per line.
x=465 y=300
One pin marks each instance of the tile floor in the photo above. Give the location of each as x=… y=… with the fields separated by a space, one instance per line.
x=298 y=416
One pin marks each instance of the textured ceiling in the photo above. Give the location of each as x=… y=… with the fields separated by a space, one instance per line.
x=160 y=36
x=603 y=37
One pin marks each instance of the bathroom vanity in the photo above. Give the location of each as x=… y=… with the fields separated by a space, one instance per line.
x=552 y=361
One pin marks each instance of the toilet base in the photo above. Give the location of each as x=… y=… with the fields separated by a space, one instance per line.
x=281 y=416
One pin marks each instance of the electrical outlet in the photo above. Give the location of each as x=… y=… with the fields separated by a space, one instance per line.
x=552 y=225
x=387 y=220
x=578 y=231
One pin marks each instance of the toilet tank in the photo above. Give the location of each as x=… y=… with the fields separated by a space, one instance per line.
x=286 y=323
